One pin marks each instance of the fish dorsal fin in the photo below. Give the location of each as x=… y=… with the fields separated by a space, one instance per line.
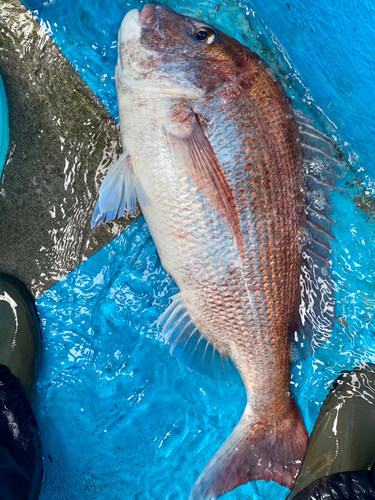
x=119 y=191
x=191 y=348
x=322 y=167
x=189 y=143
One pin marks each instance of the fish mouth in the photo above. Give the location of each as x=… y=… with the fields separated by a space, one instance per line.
x=134 y=21
x=148 y=15
x=129 y=34
x=130 y=28
x=145 y=62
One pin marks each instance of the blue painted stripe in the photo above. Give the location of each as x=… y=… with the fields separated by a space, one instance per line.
x=4 y=126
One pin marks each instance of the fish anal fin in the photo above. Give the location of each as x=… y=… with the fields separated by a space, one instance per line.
x=191 y=348
x=119 y=191
x=255 y=450
x=189 y=142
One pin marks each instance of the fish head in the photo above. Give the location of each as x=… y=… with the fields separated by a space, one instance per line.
x=164 y=52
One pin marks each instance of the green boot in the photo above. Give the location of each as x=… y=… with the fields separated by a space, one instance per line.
x=340 y=457
x=19 y=334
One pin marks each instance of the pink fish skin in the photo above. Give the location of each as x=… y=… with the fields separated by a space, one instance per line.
x=211 y=144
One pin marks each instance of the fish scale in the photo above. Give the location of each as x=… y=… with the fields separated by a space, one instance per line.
x=269 y=284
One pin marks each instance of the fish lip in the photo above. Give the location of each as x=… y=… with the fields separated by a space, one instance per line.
x=129 y=27
x=133 y=22
x=147 y=13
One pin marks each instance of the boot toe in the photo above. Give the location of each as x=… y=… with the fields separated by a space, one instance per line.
x=19 y=333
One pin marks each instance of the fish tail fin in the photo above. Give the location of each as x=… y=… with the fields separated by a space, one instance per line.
x=255 y=450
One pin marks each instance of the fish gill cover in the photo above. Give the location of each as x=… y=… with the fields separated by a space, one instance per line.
x=118 y=415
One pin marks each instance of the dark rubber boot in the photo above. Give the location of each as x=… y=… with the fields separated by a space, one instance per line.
x=341 y=452
x=19 y=334
x=21 y=464
x=358 y=485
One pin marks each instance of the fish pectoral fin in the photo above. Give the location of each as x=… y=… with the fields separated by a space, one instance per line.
x=119 y=191
x=191 y=348
x=255 y=450
x=189 y=143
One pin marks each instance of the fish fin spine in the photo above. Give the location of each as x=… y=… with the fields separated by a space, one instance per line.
x=118 y=192
x=255 y=450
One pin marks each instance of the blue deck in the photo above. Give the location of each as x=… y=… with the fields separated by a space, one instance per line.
x=4 y=126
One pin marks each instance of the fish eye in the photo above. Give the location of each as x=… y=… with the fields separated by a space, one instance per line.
x=205 y=35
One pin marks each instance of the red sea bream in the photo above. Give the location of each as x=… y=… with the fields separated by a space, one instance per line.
x=211 y=152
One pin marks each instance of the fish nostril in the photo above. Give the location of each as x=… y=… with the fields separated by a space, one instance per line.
x=146 y=14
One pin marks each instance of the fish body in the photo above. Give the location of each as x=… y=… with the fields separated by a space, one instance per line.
x=211 y=151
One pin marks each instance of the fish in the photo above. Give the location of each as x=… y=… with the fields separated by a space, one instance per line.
x=212 y=152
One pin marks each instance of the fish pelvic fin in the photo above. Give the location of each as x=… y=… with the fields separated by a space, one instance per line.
x=255 y=450
x=119 y=191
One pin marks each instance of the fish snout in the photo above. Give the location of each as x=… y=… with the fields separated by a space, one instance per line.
x=147 y=17
x=134 y=21
x=129 y=27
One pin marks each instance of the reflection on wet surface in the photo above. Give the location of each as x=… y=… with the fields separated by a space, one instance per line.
x=60 y=135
